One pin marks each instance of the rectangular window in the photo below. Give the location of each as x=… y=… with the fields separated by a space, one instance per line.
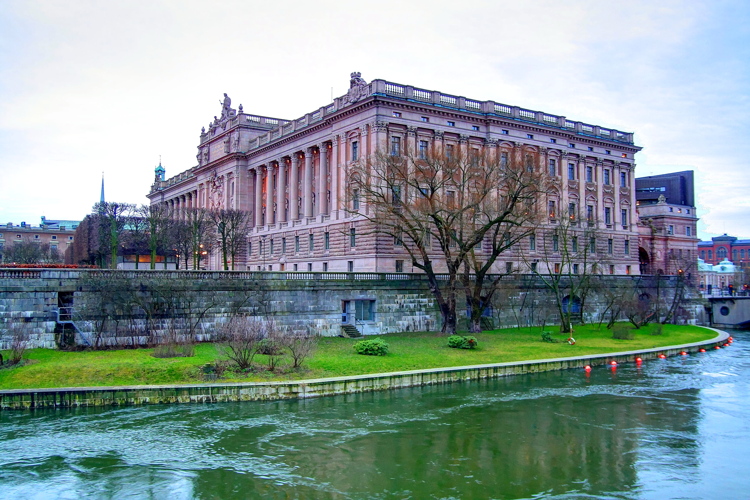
x=396 y=114
x=627 y=269
x=688 y=231
x=295 y=267
x=508 y=267
x=553 y=141
x=607 y=151
x=395 y=146
x=670 y=230
x=396 y=196
x=451 y=199
x=624 y=217
x=606 y=177
x=533 y=267
x=451 y=124
x=250 y=248
x=364 y=310
x=449 y=151
x=591 y=149
x=325 y=267
x=552 y=167
x=504 y=160
x=571 y=145
x=283 y=245
x=309 y=267
x=611 y=269
x=627 y=247
x=312 y=242
x=555 y=243
x=504 y=132
x=397 y=241
x=623 y=179
x=355 y=199
x=399 y=266
x=571 y=171
x=610 y=246
x=53 y=237
x=551 y=209
x=572 y=211
x=529 y=136
x=425 y=119
x=592 y=245
x=575 y=268
x=352 y=237
x=422 y=150
x=608 y=216
x=296 y=243
x=355 y=150
x=327 y=240
x=589 y=174
x=532 y=242
x=574 y=244
x=271 y=247
x=590 y=213
x=475 y=128
x=350 y=266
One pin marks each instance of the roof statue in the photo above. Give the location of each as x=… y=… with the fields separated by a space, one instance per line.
x=358 y=89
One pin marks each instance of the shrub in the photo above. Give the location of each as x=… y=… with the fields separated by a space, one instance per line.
x=300 y=344
x=374 y=347
x=547 y=337
x=19 y=339
x=239 y=339
x=622 y=332
x=462 y=342
x=174 y=351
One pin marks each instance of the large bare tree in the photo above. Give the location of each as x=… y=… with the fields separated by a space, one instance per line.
x=231 y=229
x=440 y=203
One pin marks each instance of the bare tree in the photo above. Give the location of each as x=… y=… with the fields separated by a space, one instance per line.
x=239 y=339
x=230 y=226
x=157 y=219
x=438 y=205
x=570 y=254
x=112 y=218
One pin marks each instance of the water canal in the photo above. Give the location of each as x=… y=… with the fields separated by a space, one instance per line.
x=674 y=428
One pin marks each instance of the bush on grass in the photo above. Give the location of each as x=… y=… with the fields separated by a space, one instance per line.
x=622 y=332
x=547 y=337
x=374 y=347
x=462 y=342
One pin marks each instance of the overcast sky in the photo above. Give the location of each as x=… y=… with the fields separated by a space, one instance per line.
x=108 y=86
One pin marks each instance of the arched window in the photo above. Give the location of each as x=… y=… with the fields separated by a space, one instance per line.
x=721 y=253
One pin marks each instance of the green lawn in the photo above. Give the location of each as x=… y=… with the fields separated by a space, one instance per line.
x=334 y=357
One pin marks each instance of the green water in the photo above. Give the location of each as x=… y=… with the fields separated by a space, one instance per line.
x=675 y=428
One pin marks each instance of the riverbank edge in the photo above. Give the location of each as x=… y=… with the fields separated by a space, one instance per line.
x=72 y=397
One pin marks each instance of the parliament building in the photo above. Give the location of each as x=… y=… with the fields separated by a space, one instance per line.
x=291 y=175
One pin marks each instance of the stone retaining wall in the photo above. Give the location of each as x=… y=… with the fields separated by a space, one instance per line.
x=252 y=391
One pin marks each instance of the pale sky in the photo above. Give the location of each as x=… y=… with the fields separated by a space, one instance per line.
x=107 y=86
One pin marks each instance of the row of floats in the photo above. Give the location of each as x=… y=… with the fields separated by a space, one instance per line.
x=639 y=360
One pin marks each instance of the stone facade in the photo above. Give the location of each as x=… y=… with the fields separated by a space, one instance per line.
x=291 y=175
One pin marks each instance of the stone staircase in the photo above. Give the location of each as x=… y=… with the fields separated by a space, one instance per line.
x=350 y=332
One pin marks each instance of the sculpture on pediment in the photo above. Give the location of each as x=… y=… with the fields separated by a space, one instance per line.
x=226 y=108
x=358 y=88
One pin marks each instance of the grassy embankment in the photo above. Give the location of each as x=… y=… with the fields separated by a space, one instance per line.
x=334 y=357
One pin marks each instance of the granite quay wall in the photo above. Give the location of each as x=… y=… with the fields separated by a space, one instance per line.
x=65 y=307
x=218 y=393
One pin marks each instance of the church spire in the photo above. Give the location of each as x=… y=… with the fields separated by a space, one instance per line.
x=102 y=196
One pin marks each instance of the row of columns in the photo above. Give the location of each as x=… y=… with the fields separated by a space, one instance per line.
x=270 y=194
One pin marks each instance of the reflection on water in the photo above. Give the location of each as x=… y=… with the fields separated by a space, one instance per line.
x=676 y=428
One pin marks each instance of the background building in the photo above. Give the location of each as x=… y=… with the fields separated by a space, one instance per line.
x=667 y=223
x=54 y=237
x=292 y=174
